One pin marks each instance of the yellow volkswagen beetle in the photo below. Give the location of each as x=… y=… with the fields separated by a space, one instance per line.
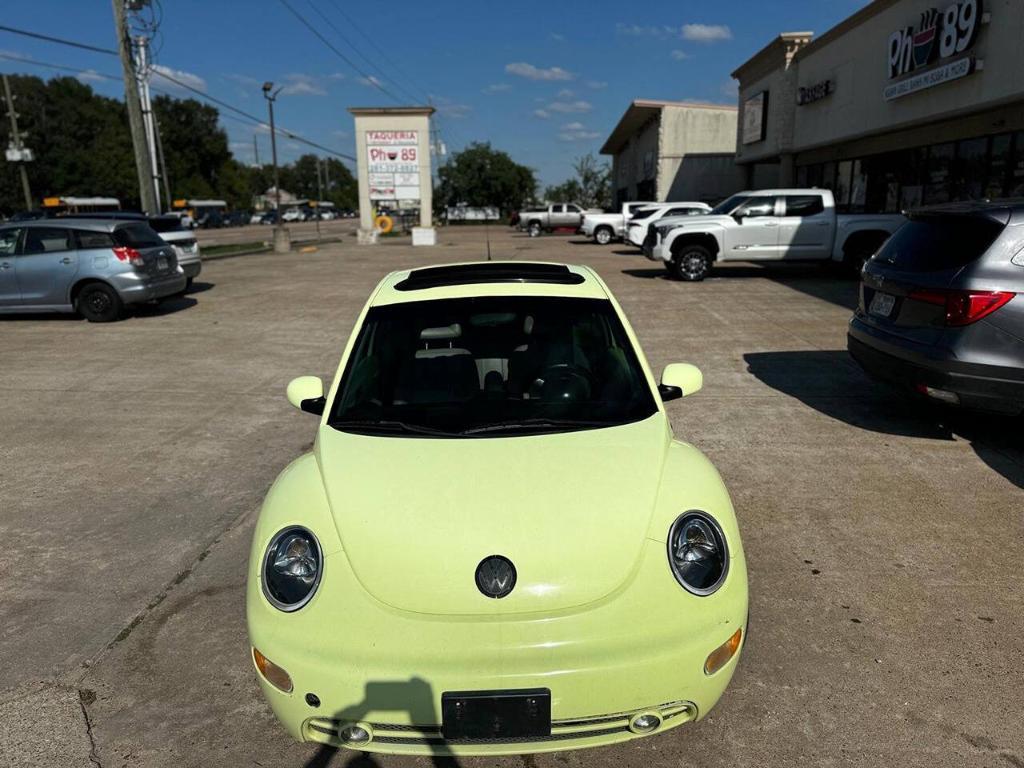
x=496 y=545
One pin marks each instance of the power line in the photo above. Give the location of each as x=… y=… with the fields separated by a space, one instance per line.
x=250 y=117
x=60 y=40
x=370 y=79
x=363 y=56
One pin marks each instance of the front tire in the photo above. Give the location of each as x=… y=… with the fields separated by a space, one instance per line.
x=535 y=229
x=99 y=303
x=603 y=236
x=691 y=264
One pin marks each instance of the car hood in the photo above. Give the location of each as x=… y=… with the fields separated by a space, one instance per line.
x=417 y=516
x=703 y=220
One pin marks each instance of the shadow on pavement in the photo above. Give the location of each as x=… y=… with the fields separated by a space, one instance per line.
x=414 y=696
x=833 y=384
x=164 y=307
x=199 y=287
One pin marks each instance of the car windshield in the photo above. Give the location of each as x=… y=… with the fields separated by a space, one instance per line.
x=644 y=213
x=491 y=366
x=728 y=205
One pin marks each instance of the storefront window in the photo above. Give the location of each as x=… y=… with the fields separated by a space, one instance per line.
x=842 y=187
x=940 y=160
x=858 y=187
x=999 y=165
x=969 y=177
x=1017 y=167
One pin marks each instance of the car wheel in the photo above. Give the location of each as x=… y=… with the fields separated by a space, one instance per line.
x=692 y=263
x=603 y=236
x=99 y=303
x=534 y=229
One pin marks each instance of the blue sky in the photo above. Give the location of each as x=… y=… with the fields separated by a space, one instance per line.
x=545 y=82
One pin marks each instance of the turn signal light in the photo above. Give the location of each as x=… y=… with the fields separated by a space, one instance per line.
x=964 y=307
x=719 y=657
x=274 y=675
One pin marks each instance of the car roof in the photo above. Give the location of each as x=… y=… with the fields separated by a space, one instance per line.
x=489 y=278
x=93 y=225
x=1003 y=210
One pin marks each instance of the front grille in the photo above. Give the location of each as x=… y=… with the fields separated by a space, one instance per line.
x=326 y=729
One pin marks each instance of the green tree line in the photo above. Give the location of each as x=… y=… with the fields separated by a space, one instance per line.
x=82 y=146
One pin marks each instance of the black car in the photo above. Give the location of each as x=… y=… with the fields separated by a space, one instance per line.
x=940 y=309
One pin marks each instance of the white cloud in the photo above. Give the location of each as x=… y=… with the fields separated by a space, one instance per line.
x=543 y=114
x=597 y=85
x=678 y=55
x=706 y=33
x=298 y=84
x=448 y=108
x=371 y=81
x=496 y=88
x=530 y=72
x=577 y=132
x=565 y=93
x=337 y=76
x=184 y=79
x=90 y=76
x=637 y=30
x=566 y=107
x=557 y=37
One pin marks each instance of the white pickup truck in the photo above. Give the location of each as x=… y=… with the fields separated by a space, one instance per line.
x=605 y=227
x=537 y=221
x=770 y=225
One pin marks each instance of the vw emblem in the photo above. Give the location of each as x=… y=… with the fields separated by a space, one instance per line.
x=495 y=576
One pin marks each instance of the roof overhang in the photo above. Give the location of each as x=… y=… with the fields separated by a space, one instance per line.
x=378 y=111
x=640 y=111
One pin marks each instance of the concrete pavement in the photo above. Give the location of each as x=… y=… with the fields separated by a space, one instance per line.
x=883 y=539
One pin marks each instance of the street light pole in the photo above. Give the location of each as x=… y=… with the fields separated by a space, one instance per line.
x=282 y=239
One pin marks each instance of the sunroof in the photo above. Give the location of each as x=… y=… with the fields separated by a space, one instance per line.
x=494 y=272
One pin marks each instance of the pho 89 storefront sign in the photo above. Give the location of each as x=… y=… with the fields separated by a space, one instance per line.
x=942 y=38
x=393 y=165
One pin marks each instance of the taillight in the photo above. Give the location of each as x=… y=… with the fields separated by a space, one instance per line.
x=964 y=307
x=130 y=255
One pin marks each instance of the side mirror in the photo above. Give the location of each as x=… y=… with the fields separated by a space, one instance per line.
x=680 y=380
x=307 y=394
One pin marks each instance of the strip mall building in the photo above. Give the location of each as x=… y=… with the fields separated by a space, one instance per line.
x=907 y=102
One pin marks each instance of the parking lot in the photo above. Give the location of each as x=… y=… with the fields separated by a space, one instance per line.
x=883 y=537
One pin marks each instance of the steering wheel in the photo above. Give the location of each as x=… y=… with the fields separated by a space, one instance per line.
x=562 y=382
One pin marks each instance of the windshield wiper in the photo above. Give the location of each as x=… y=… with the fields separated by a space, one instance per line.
x=536 y=424
x=388 y=425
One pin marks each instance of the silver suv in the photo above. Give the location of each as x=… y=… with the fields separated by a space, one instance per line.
x=93 y=267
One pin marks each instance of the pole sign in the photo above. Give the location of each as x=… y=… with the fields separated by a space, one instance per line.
x=940 y=39
x=393 y=165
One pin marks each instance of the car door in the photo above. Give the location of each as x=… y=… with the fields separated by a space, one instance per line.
x=46 y=265
x=805 y=228
x=9 y=293
x=755 y=234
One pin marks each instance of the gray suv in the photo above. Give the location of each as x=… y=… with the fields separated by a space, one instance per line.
x=941 y=311
x=93 y=267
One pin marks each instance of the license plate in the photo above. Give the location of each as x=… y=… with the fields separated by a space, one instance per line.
x=161 y=263
x=522 y=714
x=882 y=304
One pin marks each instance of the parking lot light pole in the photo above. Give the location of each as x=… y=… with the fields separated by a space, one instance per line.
x=282 y=239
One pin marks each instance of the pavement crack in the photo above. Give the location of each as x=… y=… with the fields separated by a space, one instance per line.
x=85 y=698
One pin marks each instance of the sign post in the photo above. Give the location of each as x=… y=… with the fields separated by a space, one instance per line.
x=393 y=157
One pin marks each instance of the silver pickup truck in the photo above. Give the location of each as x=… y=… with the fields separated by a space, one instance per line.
x=537 y=221
x=770 y=225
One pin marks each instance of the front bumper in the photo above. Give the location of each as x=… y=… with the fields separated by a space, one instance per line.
x=660 y=252
x=640 y=649
x=893 y=361
x=135 y=288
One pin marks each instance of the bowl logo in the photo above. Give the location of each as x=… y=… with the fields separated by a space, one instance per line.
x=925 y=37
x=495 y=576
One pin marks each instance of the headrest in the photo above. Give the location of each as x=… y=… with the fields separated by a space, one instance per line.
x=443 y=333
x=528 y=325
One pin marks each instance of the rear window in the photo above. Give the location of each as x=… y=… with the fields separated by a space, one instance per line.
x=87 y=239
x=643 y=214
x=939 y=243
x=137 y=236
x=166 y=224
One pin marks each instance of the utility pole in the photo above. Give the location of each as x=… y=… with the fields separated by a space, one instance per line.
x=319 y=198
x=16 y=151
x=142 y=70
x=255 y=151
x=143 y=163
x=282 y=238
x=163 y=164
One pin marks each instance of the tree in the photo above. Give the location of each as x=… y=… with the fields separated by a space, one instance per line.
x=591 y=188
x=480 y=176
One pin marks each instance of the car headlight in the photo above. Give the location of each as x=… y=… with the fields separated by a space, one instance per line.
x=697 y=553
x=291 y=568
